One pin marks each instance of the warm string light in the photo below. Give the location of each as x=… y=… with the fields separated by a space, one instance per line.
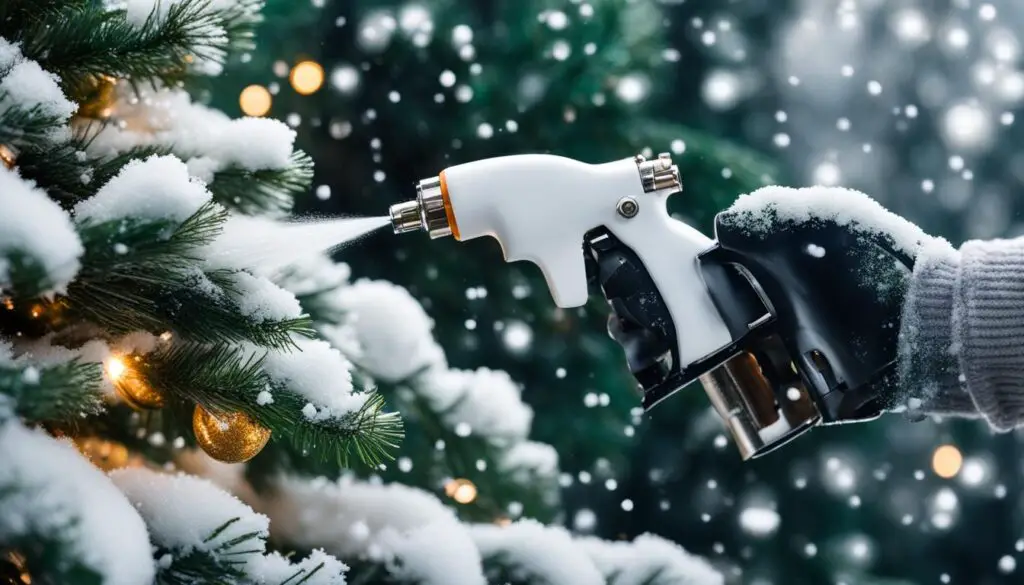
x=129 y=384
x=461 y=490
x=307 y=77
x=255 y=100
x=947 y=461
x=7 y=156
x=17 y=560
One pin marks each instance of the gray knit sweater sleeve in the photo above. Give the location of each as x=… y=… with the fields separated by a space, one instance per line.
x=962 y=335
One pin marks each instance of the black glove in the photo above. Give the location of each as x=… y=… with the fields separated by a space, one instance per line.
x=836 y=267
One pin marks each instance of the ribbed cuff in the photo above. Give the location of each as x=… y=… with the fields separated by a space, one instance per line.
x=988 y=328
x=930 y=380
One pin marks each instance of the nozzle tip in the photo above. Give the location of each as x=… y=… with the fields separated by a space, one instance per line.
x=406 y=217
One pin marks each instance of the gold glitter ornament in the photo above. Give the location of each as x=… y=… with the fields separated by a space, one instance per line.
x=230 y=438
x=99 y=104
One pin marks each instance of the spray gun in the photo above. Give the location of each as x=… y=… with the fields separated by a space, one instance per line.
x=777 y=343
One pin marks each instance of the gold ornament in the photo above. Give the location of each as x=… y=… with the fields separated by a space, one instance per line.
x=129 y=384
x=230 y=438
x=107 y=455
x=8 y=156
x=99 y=103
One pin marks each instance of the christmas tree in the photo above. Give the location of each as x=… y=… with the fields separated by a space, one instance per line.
x=191 y=389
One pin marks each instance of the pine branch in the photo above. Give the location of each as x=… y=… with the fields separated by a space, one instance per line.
x=58 y=393
x=81 y=41
x=68 y=175
x=135 y=277
x=225 y=379
x=263 y=191
x=22 y=128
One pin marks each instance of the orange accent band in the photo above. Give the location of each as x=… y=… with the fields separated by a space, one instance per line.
x=448 y=207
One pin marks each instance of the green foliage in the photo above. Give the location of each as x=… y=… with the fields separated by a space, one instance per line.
x=225 y=378
x=59 y=393
x=268 y=191
x=80 y=43
x=25 y=127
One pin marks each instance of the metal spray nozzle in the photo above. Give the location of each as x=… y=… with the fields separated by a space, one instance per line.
x=428 y=212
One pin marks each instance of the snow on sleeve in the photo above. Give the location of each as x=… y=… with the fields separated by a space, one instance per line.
x=530 y=551
x=392 y=330
x=188 y=514
x=33 y=225
x=158 y=188
x=318 y=373
x=485 y=402
x=49 y=491
x=758 y=210
x=26 y=86
x=409 y=530
x=649 y=560
x=261 y=300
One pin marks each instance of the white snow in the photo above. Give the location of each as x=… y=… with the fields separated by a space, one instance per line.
x=183 y=511
x=411 y=530
x=264 y=398
x=531 y=552
x=10 y=53
x=314 y=274
x=274 y=568
x=254 y=144
x=845 y=207
x=318 y=373
x=649 y=560
x=158 y=188
x=26 y=85
x=50 y=489
x=262 y=300
x=489 y=401
x=527 y=459
x=392 y=329
x=759 y=521
x=31 y=223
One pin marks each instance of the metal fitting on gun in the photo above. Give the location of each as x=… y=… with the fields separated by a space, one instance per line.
x=658 y=174
x=428 y=212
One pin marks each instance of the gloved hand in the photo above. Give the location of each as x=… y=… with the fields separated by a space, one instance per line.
x=838 y=267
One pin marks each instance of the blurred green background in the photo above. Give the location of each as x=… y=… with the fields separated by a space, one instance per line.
x=912 y=102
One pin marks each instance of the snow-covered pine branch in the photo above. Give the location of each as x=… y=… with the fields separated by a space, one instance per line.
x=527 y=551
x=64 y=390
x=55 y=505
x=249 y=164
x=33 y=108
x=204 y=533
x=648 y=560
x=406 y=530
x=39 y=249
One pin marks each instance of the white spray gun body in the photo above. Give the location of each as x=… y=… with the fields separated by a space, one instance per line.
x=539 y=207
x=546 y=209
